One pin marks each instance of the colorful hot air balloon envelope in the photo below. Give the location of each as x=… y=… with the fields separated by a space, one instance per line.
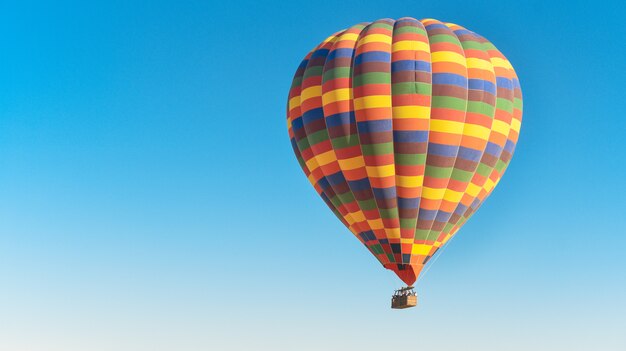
x=404 y=127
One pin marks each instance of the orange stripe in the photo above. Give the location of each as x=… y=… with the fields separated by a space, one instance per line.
x=419 y=124
x=449 y=67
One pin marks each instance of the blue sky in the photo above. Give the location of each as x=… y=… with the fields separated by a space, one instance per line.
x=150 y=200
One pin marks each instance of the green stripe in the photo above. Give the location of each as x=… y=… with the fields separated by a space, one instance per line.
x=337 y=72
x=410 y=159
x=482 y=108
x=411 y=88
x=366 y=205
x=504 y=104
x=444 y=38
x=449 y=102
x=484 y=170
x=318 y=137
x=371 y=78
x=461 y=175
x=472 y=45
x=345 y=141
x=377 y=149
x=438 y=172
x=313 y=71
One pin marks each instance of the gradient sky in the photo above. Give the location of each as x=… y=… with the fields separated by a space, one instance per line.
x=150 y=200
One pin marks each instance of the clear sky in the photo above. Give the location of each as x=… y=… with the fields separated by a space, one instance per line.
x=150 y=200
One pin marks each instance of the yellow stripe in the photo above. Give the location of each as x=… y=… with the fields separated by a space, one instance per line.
x=336 y=95
x=498 y=62
x=422 y=112
x=412 y=45
x=329 y=38
x=326 y=158
x=288 y=123
x=500 y=127
x=376 y=224
x=409 y=181
x=312 y=180
x=349 y=37
x=497 y=181
x=516 y=124
x=349 y=219
x=358 y=216
x=372 y=101
x=472 y=190
x=294 y=102
x=310 y=92
x=354 y=217
x=443 y=126
x=453 y=196
x=448 y=56
x=443 y=242
x=321 y=160
x=420 y=249
x=381 y=171
x=392 y=233
x=473 y=62
x=351 y=163
x=477 y=131
x=433 y=193
x=489 y=184
x=374 y=38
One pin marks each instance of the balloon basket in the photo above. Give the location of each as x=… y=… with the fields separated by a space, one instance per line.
x=404 y=298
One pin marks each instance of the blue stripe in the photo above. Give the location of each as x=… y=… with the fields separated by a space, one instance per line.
x=469 y=154
x=509 y=146
x=406 y=258
x=407 y=20
x=408 y=203
x=336 y=178
x=297 y=124
x=403 y=136
x=410 y=65
x=313 y=115
x=323 y=183
x=443 y=150
x=436 y=26
x=340 y=119
x=460 y=209
x=475 y=204
x=361 y=184
x=303 y=64
x=459 y=32
x=384 y=193
x=367 y=235
x=443 y=216
x=427 y=215
x=450 y=79
x=479 y=84
x=504 y=83
x=383 y=125
x=337 y=53
x=372 y=56
x=493 y=149
x=319 y=53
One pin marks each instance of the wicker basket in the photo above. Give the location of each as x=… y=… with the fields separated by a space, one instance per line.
x=400 y=302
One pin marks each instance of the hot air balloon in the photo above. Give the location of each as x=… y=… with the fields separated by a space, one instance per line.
x=404 y=127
